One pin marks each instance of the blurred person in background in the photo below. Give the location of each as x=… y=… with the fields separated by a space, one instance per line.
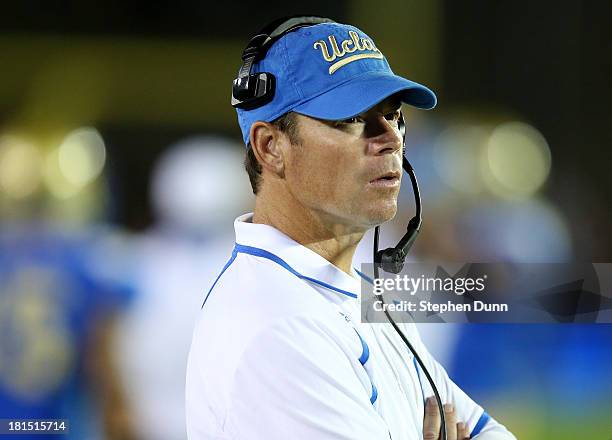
x=60 y=291
x=176 y=257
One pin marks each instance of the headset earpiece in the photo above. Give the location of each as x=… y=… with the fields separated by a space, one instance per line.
x=252 y=90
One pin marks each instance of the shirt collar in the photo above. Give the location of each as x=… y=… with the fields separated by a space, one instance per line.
x=299 y=257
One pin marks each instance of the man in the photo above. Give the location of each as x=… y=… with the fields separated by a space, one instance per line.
x=277 y=351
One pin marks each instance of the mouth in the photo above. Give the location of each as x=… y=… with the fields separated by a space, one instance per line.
x=389 y=179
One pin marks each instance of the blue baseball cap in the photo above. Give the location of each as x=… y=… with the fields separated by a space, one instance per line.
x=329 y=71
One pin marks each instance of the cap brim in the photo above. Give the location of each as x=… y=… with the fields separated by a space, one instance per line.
x=363 y=92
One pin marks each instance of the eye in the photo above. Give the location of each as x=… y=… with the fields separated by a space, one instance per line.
x=353 y=120
x=393 y=116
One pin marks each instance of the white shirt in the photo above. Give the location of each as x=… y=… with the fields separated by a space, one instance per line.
x=278 y=352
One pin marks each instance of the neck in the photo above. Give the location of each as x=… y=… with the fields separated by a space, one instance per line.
x=333 y=240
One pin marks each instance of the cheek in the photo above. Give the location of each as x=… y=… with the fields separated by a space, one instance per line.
x=324 y=177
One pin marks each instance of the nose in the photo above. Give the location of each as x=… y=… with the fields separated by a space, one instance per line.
x=383 y=136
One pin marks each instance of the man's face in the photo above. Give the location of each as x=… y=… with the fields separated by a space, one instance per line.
x=349 y=172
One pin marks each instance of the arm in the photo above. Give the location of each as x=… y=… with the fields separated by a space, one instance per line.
x=102 y=371
x=296 y=381
x=481 y=425
x=484 y=427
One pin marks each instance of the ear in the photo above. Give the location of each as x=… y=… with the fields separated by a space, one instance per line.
x=268 y=145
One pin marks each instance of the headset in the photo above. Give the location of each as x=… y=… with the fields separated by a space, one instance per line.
x=252 y=90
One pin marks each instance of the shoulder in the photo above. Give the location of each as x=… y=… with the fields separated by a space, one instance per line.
x=232 y=322
x=256 y=291
x=258 y=300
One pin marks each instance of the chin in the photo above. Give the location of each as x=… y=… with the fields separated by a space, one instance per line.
x=377 y=215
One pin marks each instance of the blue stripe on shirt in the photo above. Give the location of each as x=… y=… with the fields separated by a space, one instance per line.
x=270 y=256
x=374 y=394
x=230 y=261
x=365 y=353
x=482 y=421
x=416 y=367
x=364 y=276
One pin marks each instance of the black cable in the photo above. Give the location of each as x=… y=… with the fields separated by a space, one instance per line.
x=415 y=354
x=394 y=258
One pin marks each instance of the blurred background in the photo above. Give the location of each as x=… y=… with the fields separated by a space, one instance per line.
x=121 y=175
